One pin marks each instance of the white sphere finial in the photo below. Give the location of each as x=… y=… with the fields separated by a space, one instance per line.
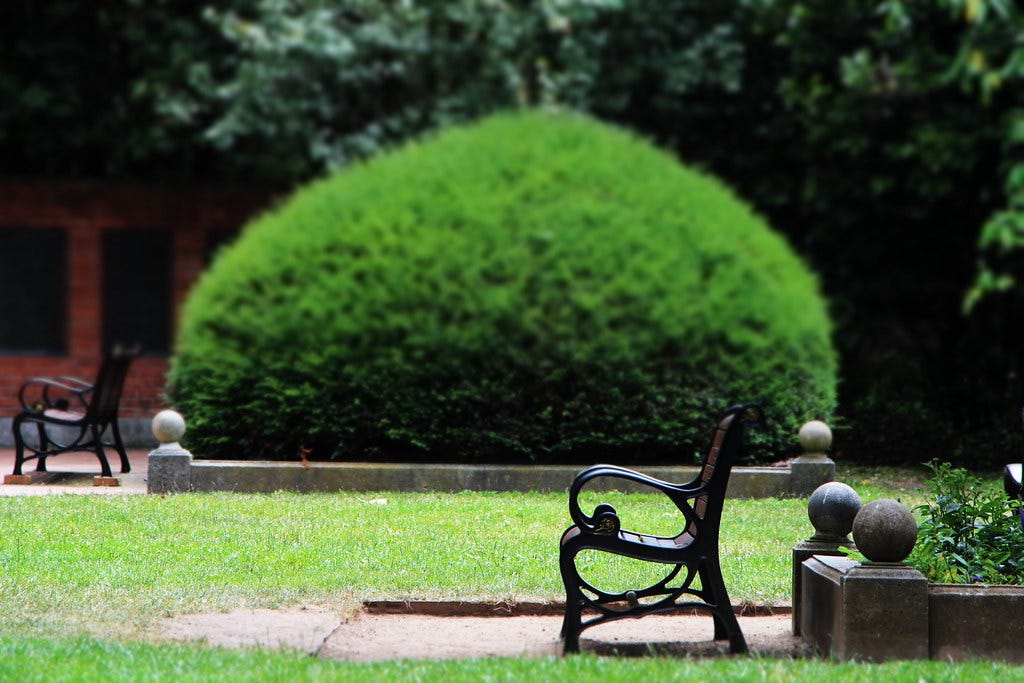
x=815 y=437
x=168 y=427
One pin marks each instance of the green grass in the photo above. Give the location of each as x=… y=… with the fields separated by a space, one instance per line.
x=87 y=659
x=906 y=484
x=124 y=561
x=85 y=578
x=115 y=564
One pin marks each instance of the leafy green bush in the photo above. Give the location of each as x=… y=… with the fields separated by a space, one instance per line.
x=536 y=285
x=970 y=532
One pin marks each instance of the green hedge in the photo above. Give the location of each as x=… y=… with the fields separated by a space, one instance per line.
x=537 y=285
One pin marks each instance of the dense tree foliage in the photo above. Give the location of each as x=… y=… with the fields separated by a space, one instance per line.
x=84 y=88
x=882 y=137
x=285 y=89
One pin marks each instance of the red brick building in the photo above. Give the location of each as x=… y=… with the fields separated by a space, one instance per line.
x=87 y=265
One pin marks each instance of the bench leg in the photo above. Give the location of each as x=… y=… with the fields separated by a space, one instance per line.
x=727 y=627
x=571 y=631
x=19 y=447
x=97 y=434
x=573 y=604
x=709 y=596
x=44 y=443
x=126 y=466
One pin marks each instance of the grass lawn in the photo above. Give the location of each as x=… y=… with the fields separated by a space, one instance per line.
x=87 y=659
x=114 y=564
x=85 y=577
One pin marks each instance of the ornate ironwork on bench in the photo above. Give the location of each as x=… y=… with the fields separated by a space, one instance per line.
x=60 y=406
x=689 y=555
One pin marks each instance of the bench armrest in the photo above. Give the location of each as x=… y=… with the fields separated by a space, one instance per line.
x=604 y=519
x=73 y=381
x=53 y=393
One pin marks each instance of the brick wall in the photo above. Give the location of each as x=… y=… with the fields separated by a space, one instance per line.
x=86 y=211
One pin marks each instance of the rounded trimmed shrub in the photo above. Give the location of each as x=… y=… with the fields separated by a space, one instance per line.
x=537 y=285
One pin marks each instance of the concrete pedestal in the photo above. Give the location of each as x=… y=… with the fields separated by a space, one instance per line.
x=808 y=472
x=805 y=550
x=169 y=470
x=869 y=611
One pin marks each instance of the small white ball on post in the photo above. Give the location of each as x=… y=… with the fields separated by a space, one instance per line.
x=168 y=427
x=169 y=464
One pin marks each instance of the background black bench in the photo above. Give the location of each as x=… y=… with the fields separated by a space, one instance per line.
x=81 y=409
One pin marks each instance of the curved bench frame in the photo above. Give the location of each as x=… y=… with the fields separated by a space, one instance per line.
x=690 y=554
x=86 y=410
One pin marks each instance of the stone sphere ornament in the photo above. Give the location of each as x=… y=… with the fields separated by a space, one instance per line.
x=815 y=437
x=885 y=531
x=832 y=509
x=168 y=427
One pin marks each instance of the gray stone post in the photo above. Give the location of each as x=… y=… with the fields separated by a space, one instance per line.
x=169 y=464
x=831 y=509
x=875 y=610
x=885 y=606
x=814 y=467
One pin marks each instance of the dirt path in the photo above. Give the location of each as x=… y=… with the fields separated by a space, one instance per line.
x=372 y=637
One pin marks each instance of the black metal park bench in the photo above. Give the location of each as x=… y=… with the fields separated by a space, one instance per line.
x=693 y=578
x=62 y=406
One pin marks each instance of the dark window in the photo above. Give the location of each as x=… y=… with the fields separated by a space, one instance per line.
x=33 y=290
x=137 y=289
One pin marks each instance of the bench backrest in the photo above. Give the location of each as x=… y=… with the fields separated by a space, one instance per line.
x=106 y=393
x=718 y=463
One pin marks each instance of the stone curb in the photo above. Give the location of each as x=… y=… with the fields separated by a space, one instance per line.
x=267 y=477
x=503 y=608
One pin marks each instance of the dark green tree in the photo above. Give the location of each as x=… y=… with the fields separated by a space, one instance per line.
x=883 y=138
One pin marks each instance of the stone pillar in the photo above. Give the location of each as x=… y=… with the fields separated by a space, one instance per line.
x=872 y=611
x=885 y=610
x=875 y=610
x=169 y=464
x=831 y=509
x=814 y=467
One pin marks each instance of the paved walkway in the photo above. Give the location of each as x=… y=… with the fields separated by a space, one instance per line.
x=372 y=637
x=74 y=472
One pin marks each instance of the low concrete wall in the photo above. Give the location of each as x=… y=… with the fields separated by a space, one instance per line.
x=971 y=622
x=137 y=432
x=870 y=611
x=259 y=476
x=266 y=477
x=876 y=612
